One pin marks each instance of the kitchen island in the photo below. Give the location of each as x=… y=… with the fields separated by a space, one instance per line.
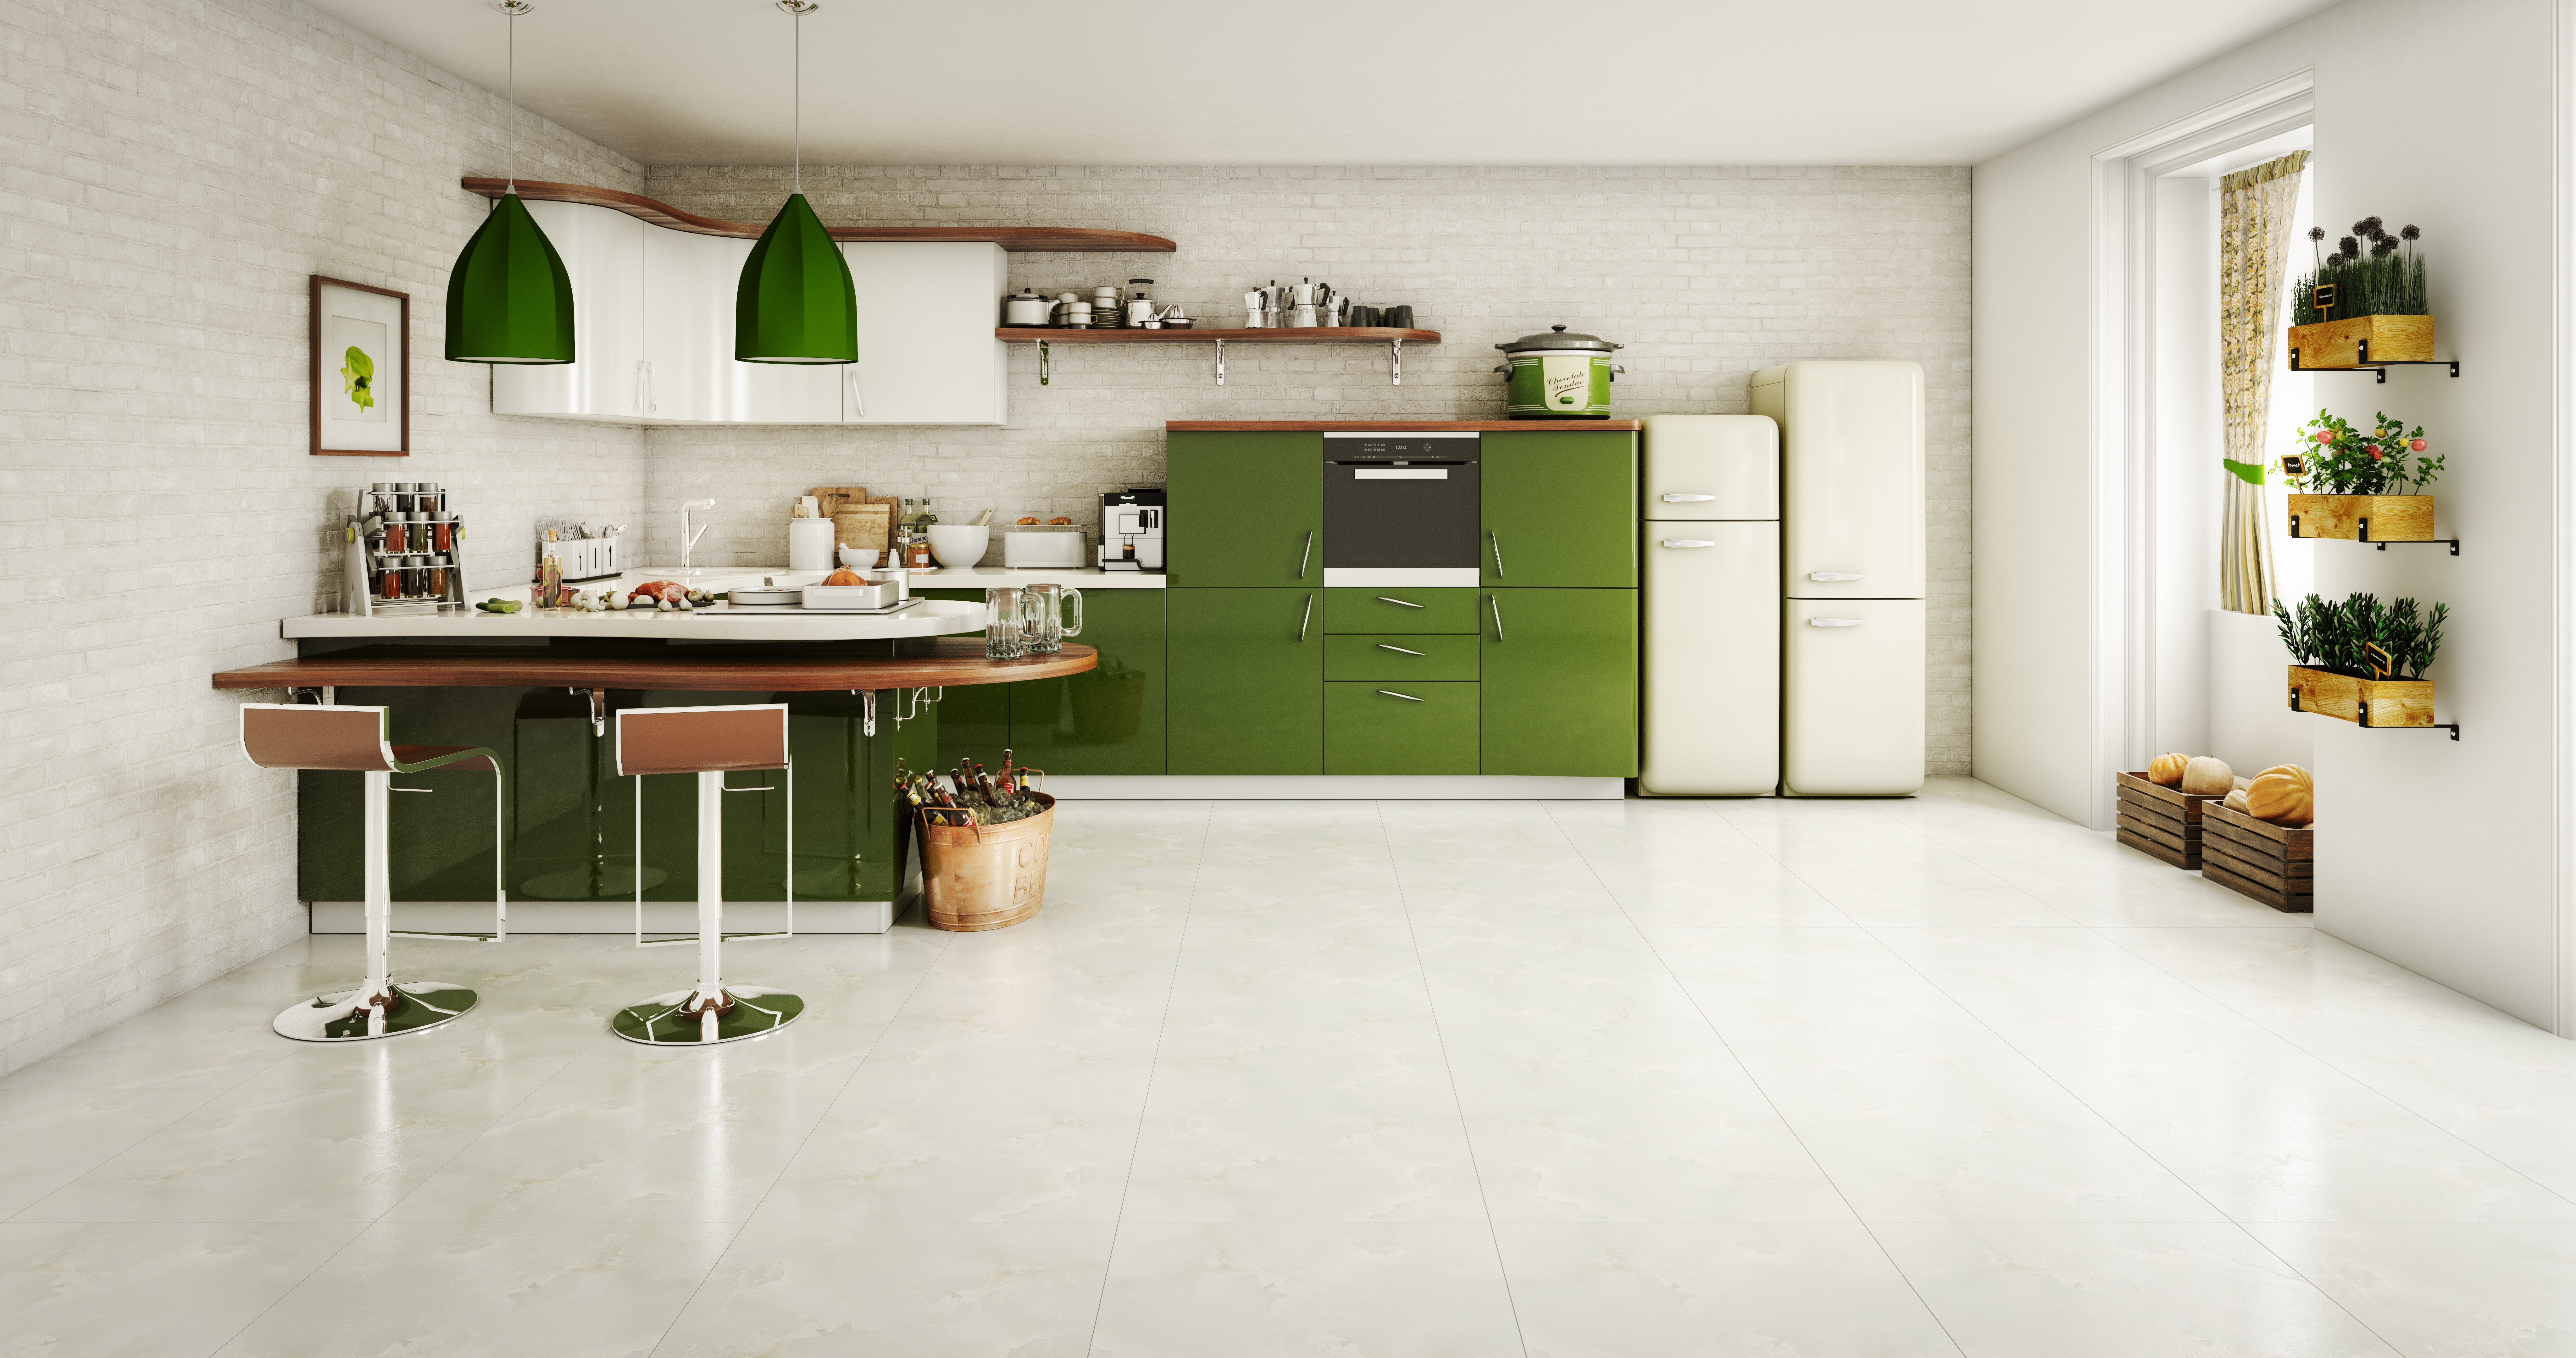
x=583 y=845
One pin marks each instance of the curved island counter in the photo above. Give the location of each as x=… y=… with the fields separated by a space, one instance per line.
x=543 y=688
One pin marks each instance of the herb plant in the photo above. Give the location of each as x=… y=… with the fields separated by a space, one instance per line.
x=2373 y=273
x=2340 y=637
x=2335 y=458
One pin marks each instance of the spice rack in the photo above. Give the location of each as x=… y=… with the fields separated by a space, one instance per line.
x=404 y=551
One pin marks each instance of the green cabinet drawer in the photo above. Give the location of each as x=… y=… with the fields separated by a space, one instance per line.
x=1399 y=610
x=1559 y=671
x=1400 y=728
x=1247 y=681
x=1419 y=657
x=1249 y=509
x=1560 y=510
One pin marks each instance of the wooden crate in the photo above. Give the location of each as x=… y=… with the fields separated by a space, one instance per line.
x=2273 y=864
x=2362 y=518
x=2161 y=821
x=2339 y=344
x=2367 y=702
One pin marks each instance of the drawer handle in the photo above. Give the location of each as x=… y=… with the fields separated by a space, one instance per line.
x=1831 y=575
x=1686 y=499
x=1401 y=603
x=1385 y=647
x=1688 y=542
x=1833 y=622
x=1405 y=696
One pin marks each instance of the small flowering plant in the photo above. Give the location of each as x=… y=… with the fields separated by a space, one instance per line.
x=2334 y=458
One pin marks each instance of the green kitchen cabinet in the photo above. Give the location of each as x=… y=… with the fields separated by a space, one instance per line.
x=1559 y=670
x=1422 y=657
x=1560 y=510
x=1247 y=510
x=1400 y=610
x=1400 y=728
x=1107 y=720
x=1247 y=681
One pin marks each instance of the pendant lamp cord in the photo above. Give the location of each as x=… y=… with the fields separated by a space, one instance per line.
x=512 y=159
x=799 y=84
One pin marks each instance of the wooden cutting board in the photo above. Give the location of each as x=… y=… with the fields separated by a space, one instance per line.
x=833 y=498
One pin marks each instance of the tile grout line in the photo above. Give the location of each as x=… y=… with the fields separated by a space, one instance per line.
x=1773 y=1105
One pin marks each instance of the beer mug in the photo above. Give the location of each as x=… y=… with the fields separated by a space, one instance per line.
x=1043 y=627
x=1004 y=636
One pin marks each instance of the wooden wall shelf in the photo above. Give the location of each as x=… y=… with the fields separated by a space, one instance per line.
x=1013 y=238
x=1393 y=337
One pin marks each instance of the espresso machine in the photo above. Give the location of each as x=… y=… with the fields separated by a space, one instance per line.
x=403 y=551
x=1131 y=530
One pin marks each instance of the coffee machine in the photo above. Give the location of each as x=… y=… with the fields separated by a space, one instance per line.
x=1131 y=529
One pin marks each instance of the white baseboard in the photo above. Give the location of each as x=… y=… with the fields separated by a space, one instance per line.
x=1334 y=787
x=609 y=917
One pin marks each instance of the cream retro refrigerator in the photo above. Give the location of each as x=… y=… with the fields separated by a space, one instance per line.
x=1851 y=554
x=1711 y=514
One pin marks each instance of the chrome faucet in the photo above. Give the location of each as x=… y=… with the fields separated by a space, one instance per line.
x=689 y=540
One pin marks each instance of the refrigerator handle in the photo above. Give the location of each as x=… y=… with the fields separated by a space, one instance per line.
x=1831 y=576
x=1686 y=499
x=1833 y=622
x=1688 y=542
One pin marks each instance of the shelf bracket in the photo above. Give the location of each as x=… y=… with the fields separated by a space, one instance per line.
x=1044 y=376
x=1395 y=347
x=1220 y=363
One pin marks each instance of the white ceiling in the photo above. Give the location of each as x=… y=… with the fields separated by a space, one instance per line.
x=1325 y=82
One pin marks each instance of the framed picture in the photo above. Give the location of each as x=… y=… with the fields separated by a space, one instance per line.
x=361 y=370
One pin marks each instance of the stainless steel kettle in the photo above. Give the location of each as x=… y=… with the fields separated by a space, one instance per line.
x=1026 y=308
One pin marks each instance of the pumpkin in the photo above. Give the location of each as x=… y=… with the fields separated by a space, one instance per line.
x=2205 y=776
x=2165 y=770
x=845 y=577
x=2285 y=795
x=2236 y=801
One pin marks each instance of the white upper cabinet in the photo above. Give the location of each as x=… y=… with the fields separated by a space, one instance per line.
x=927 y=354
x=603 y=250
x=653 y=313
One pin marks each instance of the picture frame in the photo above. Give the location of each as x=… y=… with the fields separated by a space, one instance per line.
x=358 y=363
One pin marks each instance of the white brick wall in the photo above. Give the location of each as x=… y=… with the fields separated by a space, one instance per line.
x=1706 y=274
x=175 y=169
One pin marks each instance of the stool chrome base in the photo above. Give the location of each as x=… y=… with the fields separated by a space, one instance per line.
x=336 y=1016
x=757 y=1012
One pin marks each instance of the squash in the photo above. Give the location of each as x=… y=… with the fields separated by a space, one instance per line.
x=845 y=577
x=2205 y=776
x=2284 y=795
x=2236 y=801
x=2165 y=770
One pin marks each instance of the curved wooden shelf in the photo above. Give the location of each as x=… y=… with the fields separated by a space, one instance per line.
x=1013 y=238
x=1313 y=334
x=943 y=663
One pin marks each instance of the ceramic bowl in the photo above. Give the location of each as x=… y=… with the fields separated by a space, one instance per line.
x=957 y=544
x=858 y=558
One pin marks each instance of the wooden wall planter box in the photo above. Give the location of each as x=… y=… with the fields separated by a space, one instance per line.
x=2362 y=341
x=2273 y=864
x=2362 y=518
x=2367 y=702
x=2161 y=821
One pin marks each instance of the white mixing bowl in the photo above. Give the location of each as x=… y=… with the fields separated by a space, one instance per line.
x=960 y=544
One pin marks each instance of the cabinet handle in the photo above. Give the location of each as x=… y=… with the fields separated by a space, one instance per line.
x=1831 y=575
x=858 y=398
x=1400 y=603
x=1310 y=617
x=1307 y=555
x=1495 y=602
x=1833 y=622
x=1405 y=696
x=1398 y=649
x=642 y=371
x=1688 y=542
x=1685 y=499
x=652 y=402
x=1498 y=551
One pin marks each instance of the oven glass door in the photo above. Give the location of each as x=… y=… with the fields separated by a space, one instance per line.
x=1407 y=503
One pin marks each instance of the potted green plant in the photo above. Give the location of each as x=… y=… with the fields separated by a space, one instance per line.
x=2361 y=485
x=2364 y=302
x=2362 y=660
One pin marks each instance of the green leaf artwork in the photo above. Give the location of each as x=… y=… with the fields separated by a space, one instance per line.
x=358 y=378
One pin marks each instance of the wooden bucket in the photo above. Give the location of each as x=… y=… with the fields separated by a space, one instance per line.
x=977 y=877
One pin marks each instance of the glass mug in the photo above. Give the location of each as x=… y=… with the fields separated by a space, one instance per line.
x=1003 y=635
x=1042 y=624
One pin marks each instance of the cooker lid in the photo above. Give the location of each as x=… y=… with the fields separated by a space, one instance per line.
x=1557 y=338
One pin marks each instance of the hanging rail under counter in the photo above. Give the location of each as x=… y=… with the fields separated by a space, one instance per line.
x=1394 y=337
x=1071 y=239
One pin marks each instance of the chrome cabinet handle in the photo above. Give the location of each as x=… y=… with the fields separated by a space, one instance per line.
x=1685 y=499
x=652 y=398
x=1306 y=555
x=1401 y=603
x=1830 y=575
x=1688 y=542
x=643 y=374
x=1498 y=550
x=858 y=398
x=1833 y=622
x=1405 y=696
x=1385 y=647
x=1495 y=602
x=1310 y=617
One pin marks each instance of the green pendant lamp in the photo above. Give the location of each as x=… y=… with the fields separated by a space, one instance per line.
x=796 y=303
x=509 y=298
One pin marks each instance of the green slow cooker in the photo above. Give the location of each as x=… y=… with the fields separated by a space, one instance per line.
x=1559 y=376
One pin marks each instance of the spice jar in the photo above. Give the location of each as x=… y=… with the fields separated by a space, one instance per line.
x=442 y=532
x=388 y=576
x=437 y=578
x=397 y=533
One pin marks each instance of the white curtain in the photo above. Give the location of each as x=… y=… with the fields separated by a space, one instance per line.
x=2256 y=209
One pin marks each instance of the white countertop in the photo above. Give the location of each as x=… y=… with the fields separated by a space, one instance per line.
x=989 y=577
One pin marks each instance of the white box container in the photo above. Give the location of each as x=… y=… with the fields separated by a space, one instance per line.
x=1043 y=548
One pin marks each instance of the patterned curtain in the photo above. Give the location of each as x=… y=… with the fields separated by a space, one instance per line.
x=2255 y=208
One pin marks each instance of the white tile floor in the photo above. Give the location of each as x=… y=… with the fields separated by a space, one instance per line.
x=1578 y=1080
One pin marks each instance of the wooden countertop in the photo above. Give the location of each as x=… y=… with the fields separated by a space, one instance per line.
x=946 y=663
x=1400 y=426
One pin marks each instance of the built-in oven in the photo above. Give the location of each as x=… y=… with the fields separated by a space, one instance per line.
x=1401 y=509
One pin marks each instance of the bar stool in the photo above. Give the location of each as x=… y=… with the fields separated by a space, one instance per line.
x=296 y=736
x=708 y=742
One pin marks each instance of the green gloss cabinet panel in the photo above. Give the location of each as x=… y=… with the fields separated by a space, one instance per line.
x=1400 y=728
x=1107 y=720
x=1251 y=510
x=1423 y=657
x=1560 y=510
x=1247 y=681
x=1400 y=610
x=1559 y=670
